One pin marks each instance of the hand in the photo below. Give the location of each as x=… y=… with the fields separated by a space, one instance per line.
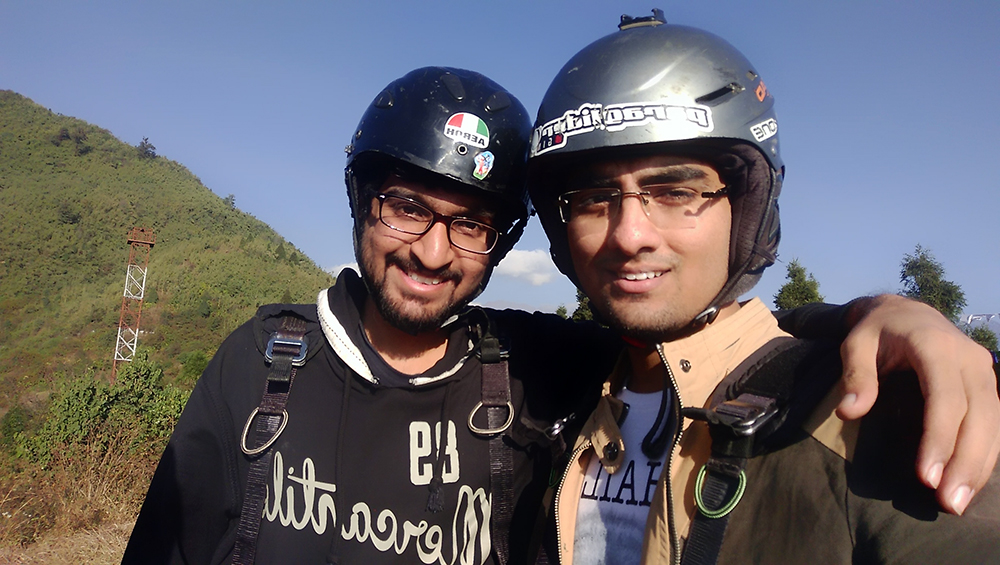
x=961 y=411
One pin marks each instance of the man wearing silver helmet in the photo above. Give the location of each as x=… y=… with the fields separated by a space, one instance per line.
x=655 y=170
x=390 y=422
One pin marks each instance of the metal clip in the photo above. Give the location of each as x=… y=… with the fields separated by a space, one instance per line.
x=558 y=426
x=246 y=431
x=743 y=415
x=747 y=413
x=298 y=360
x=490 y=432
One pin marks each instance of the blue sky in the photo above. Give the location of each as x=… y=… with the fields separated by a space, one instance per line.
x=888 y=111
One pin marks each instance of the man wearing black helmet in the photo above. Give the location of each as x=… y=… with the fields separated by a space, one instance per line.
x=655 y=171
x=389 y=423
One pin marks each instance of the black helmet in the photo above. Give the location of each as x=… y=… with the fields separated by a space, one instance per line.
x=653 y=87
x=458 y=126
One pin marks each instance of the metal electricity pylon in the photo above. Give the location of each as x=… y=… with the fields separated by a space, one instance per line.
x=141 y=241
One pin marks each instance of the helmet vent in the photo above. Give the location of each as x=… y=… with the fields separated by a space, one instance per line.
x=497 y=102
x=384 y=100
x=731 y=88
x=454 y=86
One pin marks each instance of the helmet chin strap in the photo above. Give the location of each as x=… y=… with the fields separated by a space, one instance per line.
x=706 y=317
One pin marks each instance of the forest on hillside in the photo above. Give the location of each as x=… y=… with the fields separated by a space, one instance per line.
x=70 y=192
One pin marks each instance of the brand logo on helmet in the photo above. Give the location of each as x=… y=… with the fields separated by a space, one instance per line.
x=468 y=128
x=617 y=117
x=764 y=130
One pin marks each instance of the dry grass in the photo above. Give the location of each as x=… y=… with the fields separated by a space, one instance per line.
x=77 y=509
x=100 y=546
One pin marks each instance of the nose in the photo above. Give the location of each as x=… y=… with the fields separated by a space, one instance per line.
x=433 y=249
x=631 y=231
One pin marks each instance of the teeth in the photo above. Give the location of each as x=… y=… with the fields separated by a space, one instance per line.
x=424 y=280
x=641 y=276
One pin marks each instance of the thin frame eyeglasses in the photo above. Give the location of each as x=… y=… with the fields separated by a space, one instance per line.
x=411 y=217
x=667 y=206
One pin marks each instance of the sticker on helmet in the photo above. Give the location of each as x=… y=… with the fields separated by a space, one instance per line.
x=616 y=117
x=468 y=128
x=484 y=164
x=764 y=130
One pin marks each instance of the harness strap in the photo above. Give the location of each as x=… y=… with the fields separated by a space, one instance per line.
x=722 y=481
x=772 y=395
x=286 y=351
x=499 y=416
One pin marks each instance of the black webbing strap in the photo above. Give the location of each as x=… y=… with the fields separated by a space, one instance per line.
x=718 y=490
x=286 y=351
x=500 y=415
x=774 y=389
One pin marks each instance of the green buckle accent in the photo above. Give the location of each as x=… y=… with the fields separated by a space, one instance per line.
x=726 y=508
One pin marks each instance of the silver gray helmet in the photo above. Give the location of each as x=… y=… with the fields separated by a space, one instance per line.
x=652 y=87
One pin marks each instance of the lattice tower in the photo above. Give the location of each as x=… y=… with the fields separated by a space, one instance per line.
x=141 y=240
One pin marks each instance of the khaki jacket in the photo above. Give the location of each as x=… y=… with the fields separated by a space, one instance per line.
x=835 y=493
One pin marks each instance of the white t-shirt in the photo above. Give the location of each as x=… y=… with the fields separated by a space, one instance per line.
x=611 y=518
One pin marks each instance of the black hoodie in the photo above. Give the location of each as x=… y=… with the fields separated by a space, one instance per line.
x=371 y=504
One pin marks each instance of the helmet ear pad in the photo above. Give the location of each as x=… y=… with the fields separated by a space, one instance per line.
x=756 y=231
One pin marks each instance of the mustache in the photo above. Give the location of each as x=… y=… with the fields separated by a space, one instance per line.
x=408 y=264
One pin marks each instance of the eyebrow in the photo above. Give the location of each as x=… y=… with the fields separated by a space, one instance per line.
x=667 y=175
x=479 y=211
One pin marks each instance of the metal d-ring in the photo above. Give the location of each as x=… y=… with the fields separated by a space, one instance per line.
x=246 y=430
x=488 y=432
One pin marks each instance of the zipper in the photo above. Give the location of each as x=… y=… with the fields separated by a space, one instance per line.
x=573 y=459
x=675 y=550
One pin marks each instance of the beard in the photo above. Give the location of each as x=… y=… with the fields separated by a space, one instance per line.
x=394 y=310
x=666 y=324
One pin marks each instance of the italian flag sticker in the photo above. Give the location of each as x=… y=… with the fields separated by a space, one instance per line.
x=469 y=129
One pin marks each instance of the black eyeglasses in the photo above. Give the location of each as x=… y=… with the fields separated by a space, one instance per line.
x=409 y=216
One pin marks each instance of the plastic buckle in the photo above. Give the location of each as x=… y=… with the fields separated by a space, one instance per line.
x=745 y=414
x=298 y=359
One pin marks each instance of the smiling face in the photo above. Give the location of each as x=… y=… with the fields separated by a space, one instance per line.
x=418 y=281
x=650 y=281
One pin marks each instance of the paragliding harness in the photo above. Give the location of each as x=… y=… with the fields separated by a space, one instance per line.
x=756 y=409
x=287 y=350
x=496 y=400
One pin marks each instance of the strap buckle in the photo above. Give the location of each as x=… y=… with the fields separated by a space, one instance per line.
x=284 y=342
x=743 y=415
x=746 y=413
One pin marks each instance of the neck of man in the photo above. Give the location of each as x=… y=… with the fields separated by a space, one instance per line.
x=407 y=353
x=647 y=369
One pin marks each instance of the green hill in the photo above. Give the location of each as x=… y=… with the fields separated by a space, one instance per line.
x=69 y=194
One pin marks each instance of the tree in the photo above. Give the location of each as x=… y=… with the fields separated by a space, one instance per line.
x=923 y=279
x=583 y=311
x=230 y=201
x=983 y=336
x=801 y=288
x=146 y=149
x=562 y=312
